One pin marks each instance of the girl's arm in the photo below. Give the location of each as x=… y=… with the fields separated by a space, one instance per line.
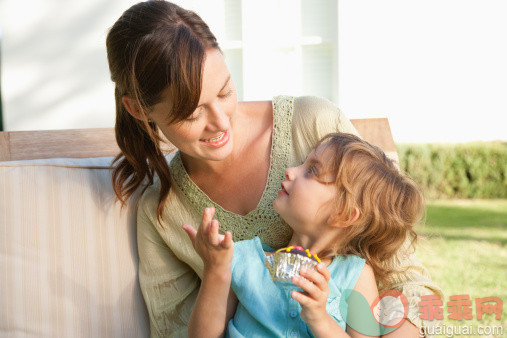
x=314 y=300
x=216 y=302
x=313 y=303
x=215 y=306
x=367 y=287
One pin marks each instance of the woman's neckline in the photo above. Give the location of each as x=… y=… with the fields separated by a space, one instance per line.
x=182 y=171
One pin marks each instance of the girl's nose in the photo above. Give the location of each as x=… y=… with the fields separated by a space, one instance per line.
x=289 y=174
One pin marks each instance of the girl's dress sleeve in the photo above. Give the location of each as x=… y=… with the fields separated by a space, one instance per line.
x=168 y=284
x=316 y=117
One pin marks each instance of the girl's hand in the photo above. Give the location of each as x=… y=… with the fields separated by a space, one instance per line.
x=314 y=300
x=215 y=249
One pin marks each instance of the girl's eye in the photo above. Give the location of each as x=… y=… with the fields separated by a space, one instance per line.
x=312 y=171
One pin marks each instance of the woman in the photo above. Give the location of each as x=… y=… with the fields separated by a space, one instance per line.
x=172 y=81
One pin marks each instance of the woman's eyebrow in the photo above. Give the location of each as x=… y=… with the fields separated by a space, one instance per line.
x=225 y=85
x=226 y=82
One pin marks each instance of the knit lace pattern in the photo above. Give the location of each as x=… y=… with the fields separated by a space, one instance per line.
x=263 y=221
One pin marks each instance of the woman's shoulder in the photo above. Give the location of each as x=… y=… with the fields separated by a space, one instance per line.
x=175 y=207
x=310 y=103
x=315 y=112
x=149 y=199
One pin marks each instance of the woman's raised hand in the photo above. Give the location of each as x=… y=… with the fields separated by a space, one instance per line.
x=216 y=250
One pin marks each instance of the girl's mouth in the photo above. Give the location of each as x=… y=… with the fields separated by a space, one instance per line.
x=283 y=191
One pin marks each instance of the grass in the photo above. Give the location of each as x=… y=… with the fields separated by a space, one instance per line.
x=463 y=245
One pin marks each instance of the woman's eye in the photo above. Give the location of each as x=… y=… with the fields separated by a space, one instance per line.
x=195 y=115
x=225 y=95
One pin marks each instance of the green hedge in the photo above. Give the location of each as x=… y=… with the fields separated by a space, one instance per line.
x=467 y=170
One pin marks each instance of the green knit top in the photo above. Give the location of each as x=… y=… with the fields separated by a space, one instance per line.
x=258 y=222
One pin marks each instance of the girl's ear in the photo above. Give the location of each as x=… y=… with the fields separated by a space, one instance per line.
x=338 y=221
x=132 y=107
x=354 y=216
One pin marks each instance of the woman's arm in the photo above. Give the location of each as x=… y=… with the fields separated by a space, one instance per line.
x=169 y=286
x=414 y=281
x=216 y=301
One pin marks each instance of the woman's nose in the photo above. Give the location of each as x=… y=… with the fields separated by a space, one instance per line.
x=218 y=117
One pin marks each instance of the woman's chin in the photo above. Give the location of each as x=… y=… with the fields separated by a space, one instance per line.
x=217 y=154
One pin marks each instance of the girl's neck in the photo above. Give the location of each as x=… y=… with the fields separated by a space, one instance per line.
x=317 y=244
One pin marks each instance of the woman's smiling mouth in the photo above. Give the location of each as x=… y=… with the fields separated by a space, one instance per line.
x=217 y=141
x=214 y=139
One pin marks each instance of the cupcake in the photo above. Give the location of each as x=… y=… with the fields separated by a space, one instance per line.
x=286 y=263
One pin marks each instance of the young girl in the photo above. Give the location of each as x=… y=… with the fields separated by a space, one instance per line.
x=349 y=204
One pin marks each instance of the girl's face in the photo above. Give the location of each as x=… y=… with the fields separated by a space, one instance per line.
x=305 y=200
x=207 y=133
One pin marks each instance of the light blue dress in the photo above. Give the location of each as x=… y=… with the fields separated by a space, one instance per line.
x=267 y=310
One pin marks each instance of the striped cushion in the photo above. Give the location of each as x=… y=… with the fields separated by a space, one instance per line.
x=68 y=253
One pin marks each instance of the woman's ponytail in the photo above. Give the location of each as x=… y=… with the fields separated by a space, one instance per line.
x=155 y=48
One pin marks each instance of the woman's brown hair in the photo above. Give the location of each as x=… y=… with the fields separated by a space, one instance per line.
x=153 y=47
x=390 y=203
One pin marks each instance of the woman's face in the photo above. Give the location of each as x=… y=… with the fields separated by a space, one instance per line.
x=207 y=133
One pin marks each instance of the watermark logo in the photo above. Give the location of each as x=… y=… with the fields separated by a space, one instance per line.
x=459 y=307
x=385 y=315
x=390 y=309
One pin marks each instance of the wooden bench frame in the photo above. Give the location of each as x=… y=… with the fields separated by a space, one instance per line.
x=85 y=143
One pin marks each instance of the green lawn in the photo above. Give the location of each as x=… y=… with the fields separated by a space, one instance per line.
x=463 y=245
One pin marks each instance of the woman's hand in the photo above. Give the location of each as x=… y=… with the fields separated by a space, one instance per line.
x=314 y=300
x=216 y=250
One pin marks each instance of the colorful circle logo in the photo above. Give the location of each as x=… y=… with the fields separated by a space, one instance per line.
x=390 y=308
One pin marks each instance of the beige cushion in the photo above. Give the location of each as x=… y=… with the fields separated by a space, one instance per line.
x=68 y=253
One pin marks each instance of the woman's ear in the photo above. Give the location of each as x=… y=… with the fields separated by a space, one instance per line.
x=338 y=221
x=132 y=107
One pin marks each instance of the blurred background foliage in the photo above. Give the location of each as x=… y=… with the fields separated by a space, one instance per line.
x=461 y=170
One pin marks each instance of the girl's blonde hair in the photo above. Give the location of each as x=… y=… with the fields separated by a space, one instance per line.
x=389 y=201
